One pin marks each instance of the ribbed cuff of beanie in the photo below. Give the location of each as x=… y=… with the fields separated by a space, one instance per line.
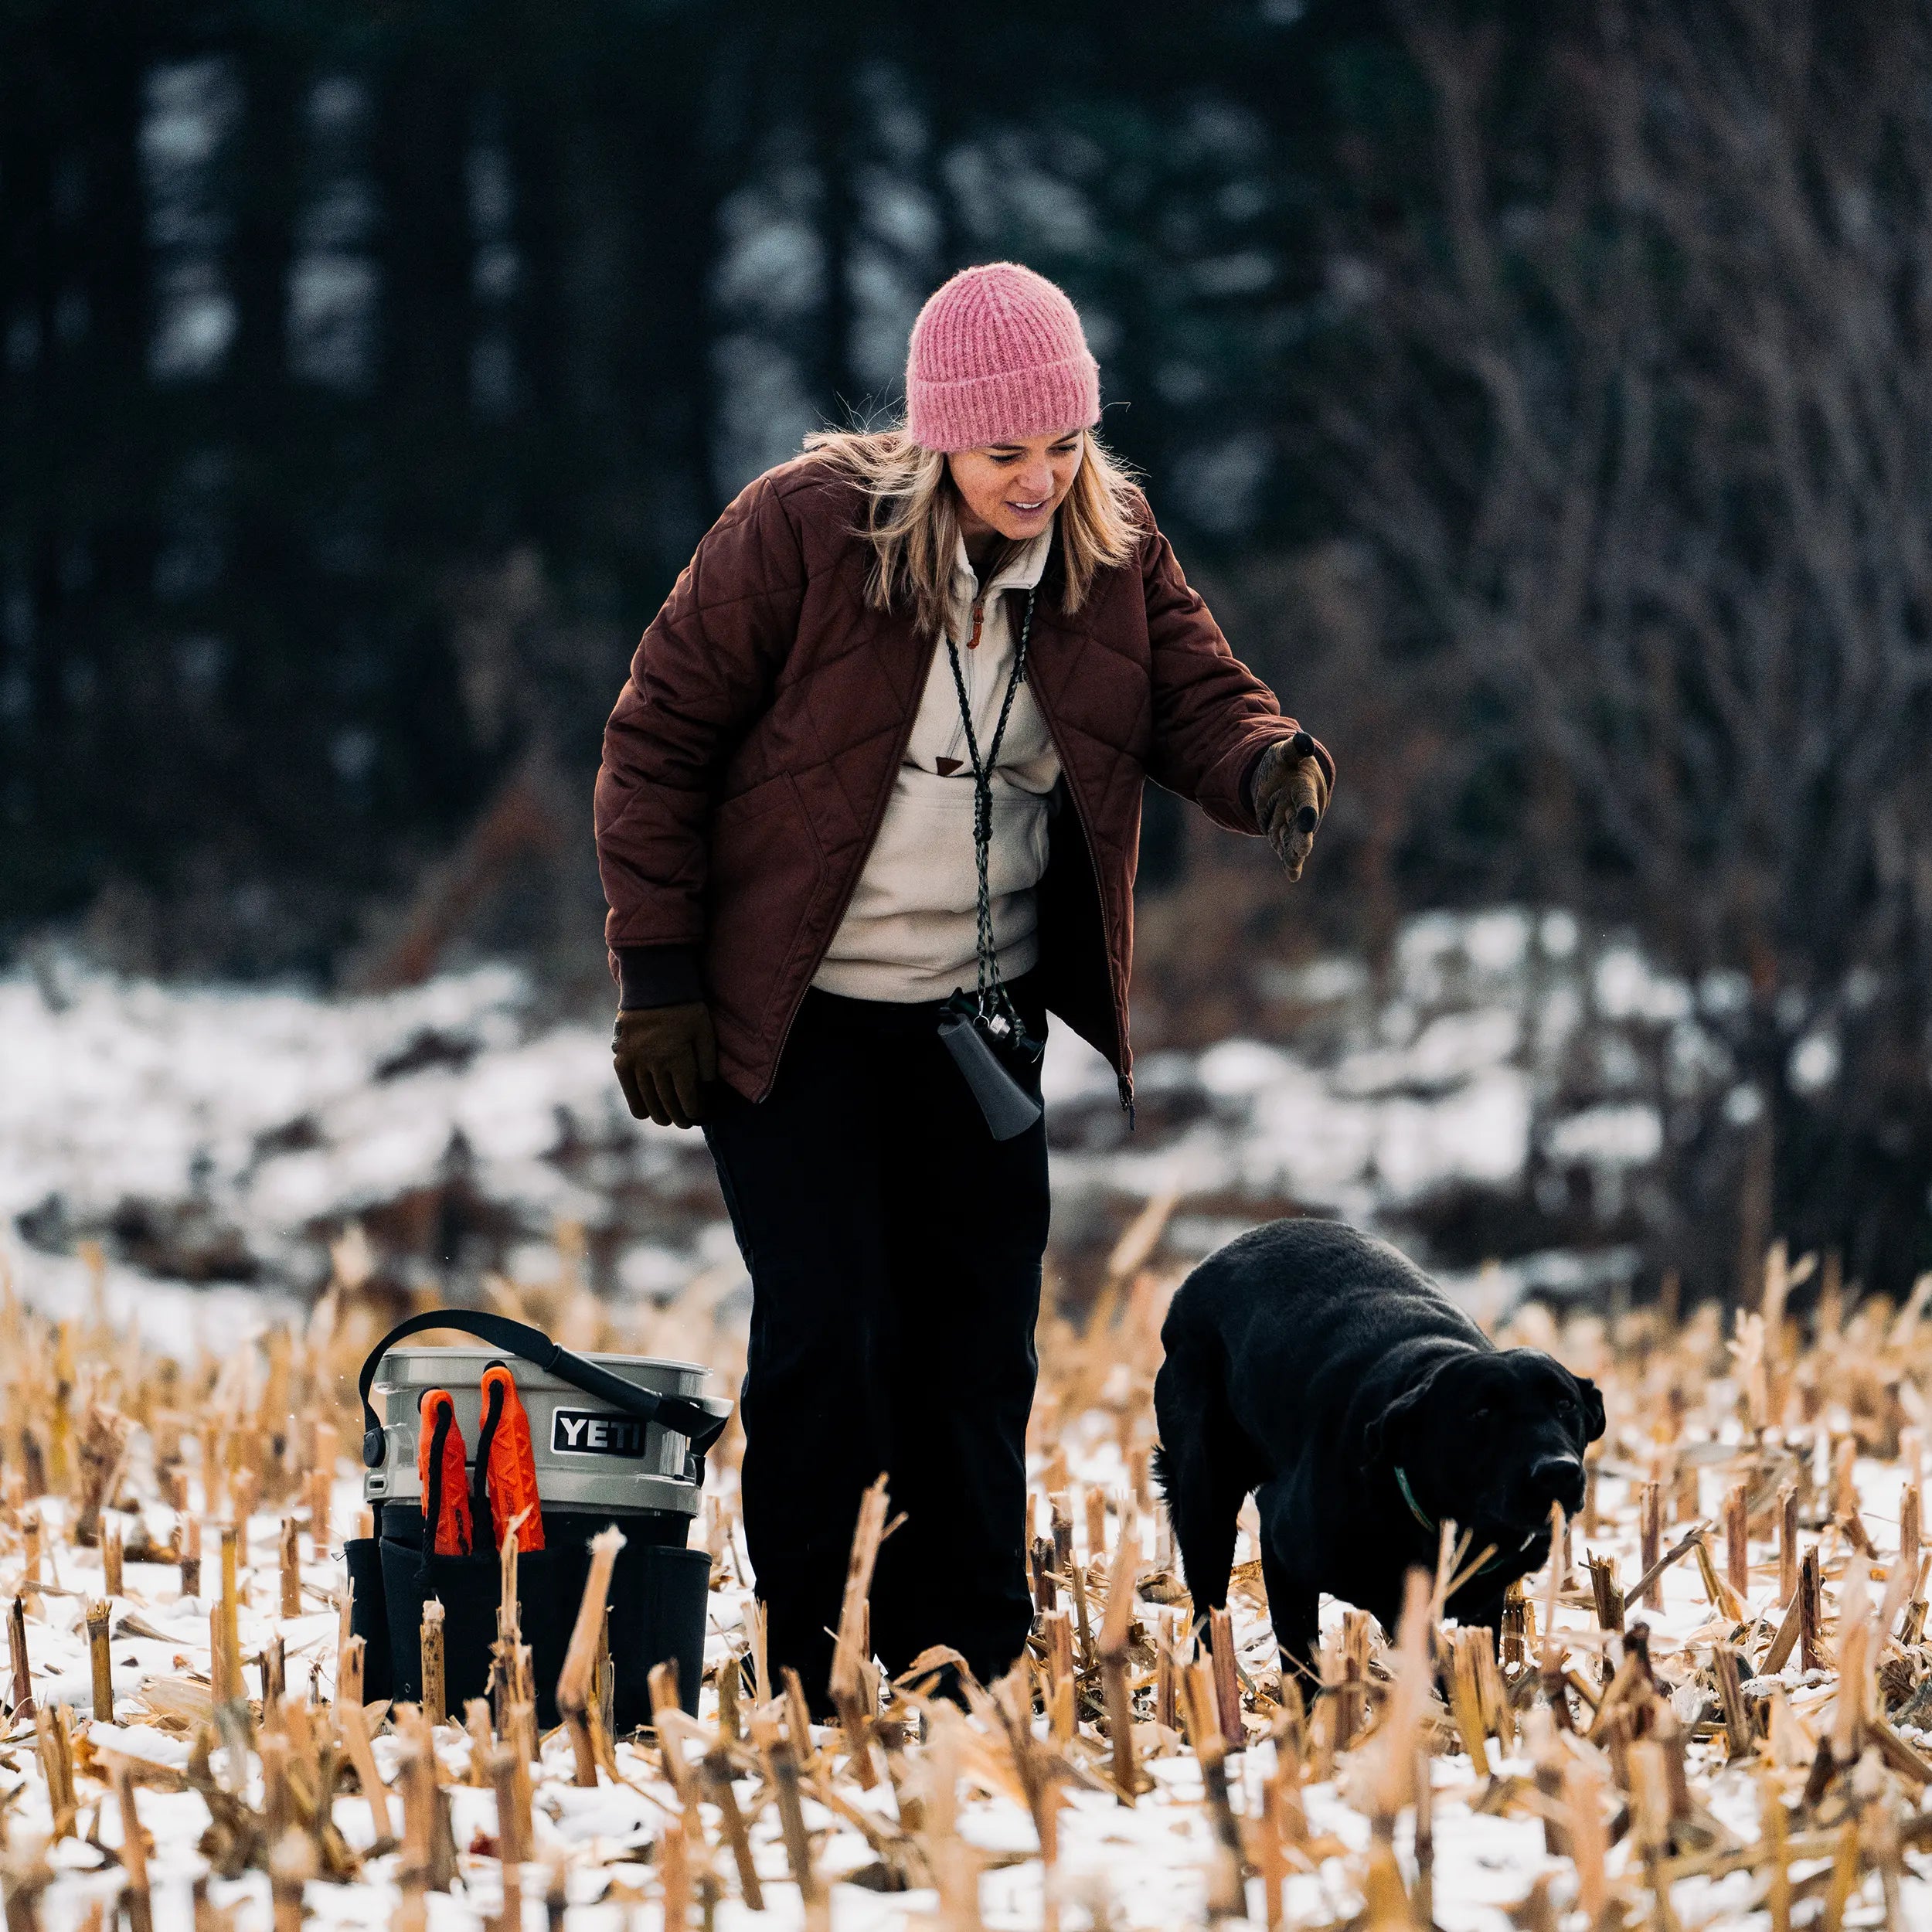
x=1004 y=407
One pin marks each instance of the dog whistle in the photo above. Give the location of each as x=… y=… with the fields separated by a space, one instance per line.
x=1009 y=1109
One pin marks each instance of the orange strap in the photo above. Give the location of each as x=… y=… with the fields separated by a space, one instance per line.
x=439 y=1470
x=512 y=1467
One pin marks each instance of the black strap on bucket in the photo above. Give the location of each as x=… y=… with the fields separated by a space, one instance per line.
x=677 y=1414
x=480 y=1482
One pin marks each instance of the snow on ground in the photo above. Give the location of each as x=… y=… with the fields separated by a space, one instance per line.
x=1123 y=1869
x=225 y=1133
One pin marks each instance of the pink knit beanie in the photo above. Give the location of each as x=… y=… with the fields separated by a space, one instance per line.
x=998 y=353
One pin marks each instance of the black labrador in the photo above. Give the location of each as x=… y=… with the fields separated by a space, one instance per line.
x=1318 y=1368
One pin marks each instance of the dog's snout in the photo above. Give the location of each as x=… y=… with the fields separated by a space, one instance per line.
x=1558 y=1479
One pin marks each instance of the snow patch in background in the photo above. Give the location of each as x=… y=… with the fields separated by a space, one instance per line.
x=223 y=1135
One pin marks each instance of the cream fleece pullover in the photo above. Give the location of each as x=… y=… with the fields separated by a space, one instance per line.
x=911 y=929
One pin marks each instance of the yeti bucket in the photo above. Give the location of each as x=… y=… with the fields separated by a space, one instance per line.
x=614 y=1439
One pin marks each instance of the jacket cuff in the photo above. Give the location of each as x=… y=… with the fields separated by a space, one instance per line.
x=658 y=976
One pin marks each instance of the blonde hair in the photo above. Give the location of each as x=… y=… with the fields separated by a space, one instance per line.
x=913 y=518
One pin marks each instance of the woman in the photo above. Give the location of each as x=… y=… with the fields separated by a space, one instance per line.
x=886 y=742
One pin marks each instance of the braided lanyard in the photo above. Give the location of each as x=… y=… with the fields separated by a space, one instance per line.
x=994 y=1004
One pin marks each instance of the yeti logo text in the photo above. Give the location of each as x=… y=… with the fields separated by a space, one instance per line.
x=592 y=1432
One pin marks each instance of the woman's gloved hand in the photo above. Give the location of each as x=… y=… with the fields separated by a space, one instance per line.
x=1290 y=795
x=665 y=1057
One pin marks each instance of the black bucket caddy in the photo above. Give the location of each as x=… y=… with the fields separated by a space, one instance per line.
x=614 y=1439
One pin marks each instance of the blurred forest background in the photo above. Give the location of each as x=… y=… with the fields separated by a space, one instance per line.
x=1541 y=396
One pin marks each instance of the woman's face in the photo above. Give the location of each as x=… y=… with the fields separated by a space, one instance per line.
x=1015 y=487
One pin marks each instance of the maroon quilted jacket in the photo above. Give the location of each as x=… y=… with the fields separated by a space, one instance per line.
x=749 y=759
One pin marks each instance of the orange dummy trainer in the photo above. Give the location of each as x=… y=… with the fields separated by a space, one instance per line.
x=506 y=1463
x=439 y=1470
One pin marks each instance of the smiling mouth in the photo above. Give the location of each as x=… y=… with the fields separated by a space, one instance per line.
x=1028 y=509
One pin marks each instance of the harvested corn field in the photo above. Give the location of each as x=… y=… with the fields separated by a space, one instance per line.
x=1710 y=1707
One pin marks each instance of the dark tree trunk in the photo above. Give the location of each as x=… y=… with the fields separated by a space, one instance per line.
x=831 y=108
x=422 y=143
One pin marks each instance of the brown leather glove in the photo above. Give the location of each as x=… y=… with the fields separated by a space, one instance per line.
x=1291 y=794
x=665 y=1057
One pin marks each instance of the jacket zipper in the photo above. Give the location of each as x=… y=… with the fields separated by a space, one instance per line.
x=1123 y=1080
x=872 y=835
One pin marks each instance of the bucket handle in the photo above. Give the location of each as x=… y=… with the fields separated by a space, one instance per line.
x=695 y=1422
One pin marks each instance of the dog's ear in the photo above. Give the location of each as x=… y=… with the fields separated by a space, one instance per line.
x=1593 y=1407
x=1383 y=1428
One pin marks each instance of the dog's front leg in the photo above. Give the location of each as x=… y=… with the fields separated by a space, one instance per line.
x=1289 y=1568
x=1295 y=1607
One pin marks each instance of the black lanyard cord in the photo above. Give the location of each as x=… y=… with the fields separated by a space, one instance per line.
x=993 y=1003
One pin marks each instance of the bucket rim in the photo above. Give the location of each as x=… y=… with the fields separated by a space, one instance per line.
x=445 y=1350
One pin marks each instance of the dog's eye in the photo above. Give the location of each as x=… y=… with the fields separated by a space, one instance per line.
x=1481 y=1414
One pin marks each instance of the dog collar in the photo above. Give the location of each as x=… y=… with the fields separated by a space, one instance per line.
x=1409 y=1496
x=1428 y=1522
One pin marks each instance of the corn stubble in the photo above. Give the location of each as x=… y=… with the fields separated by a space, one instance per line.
x=1741 y=1611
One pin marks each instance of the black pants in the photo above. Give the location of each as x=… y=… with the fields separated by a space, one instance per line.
x=894 y=1247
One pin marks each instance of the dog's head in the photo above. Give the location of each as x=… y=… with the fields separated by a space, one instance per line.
x=1493 y=1440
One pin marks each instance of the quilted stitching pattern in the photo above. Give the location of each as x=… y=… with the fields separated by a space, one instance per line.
x=765 y=664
